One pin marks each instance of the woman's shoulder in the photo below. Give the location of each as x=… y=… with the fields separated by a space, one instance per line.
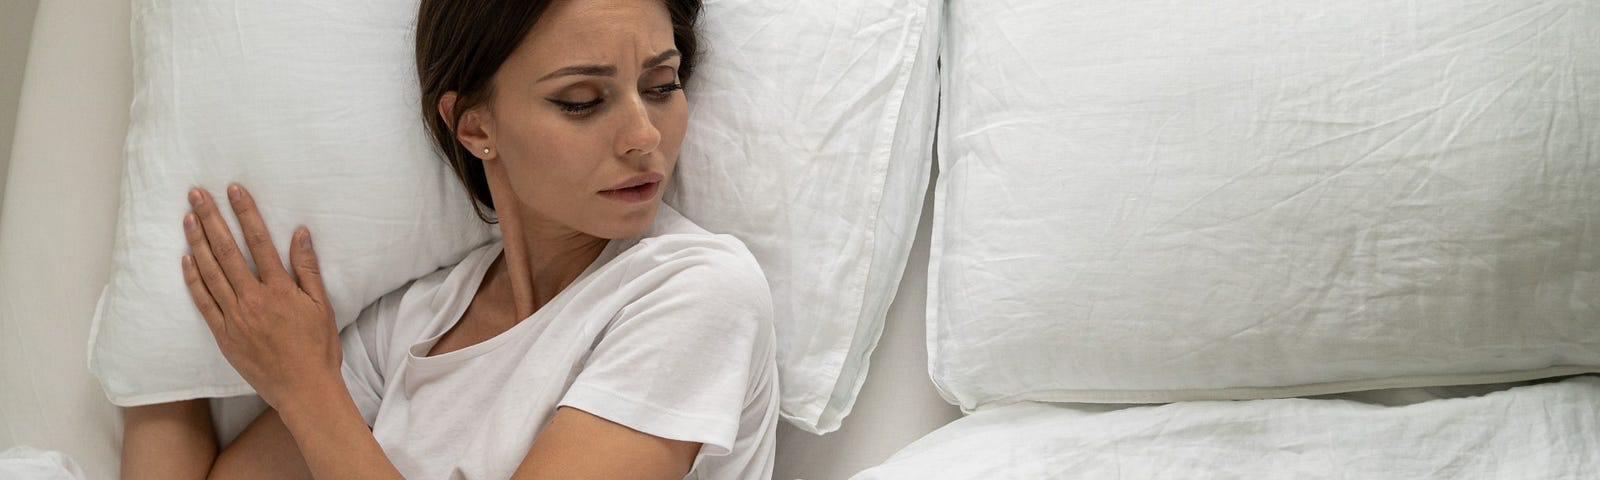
x=678 y=259
x=674 y=244
x=671 y=226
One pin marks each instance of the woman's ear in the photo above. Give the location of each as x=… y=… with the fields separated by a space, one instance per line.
x=473 y=132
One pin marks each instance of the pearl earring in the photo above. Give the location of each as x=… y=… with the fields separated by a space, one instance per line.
x=485 y=151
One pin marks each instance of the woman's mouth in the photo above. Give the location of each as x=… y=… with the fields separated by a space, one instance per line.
x=635 y=190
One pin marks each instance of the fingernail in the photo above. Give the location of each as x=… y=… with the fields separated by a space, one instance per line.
x=195 y=198
x=188 y=222
x=305 y=239
x=188 y=262
x=233 y=193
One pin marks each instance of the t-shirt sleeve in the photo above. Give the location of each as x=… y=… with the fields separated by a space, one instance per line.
x=679 y=360
x=363 y=366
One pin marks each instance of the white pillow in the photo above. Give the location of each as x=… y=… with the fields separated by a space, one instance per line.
x=810 y=139
x=311 y=105
x=1159 y=201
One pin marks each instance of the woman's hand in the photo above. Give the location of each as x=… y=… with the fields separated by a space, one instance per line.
x=278 y=333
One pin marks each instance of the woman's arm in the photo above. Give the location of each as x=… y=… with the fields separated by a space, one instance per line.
x=168 y=441
x=265 y=450
x=575 y=446
x=279 y=334
x=578 y=445
x=332 y=435
x=177 y=441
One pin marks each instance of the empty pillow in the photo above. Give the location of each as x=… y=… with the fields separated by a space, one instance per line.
x=1159 y=201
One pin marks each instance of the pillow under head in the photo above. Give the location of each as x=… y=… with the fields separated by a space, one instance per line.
x=809 y=140
x=313 y=107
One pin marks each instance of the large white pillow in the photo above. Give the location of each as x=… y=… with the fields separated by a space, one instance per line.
x=1164 y=201
x=312 y=105
x=810 y=139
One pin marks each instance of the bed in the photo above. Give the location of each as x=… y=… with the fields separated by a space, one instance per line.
x=915 y=415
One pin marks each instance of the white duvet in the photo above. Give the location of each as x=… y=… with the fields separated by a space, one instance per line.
x=1543 y=431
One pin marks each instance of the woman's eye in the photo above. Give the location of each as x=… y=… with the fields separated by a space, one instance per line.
x=662 y=92
x=577 y=108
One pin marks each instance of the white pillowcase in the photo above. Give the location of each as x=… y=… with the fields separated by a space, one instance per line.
x=1538 y=431
x=810 y=139
x=1157 y=201
x=311 y=105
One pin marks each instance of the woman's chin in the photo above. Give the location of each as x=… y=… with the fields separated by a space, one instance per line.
x=630 y=223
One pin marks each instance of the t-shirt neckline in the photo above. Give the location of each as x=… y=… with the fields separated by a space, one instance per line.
x=456 y=306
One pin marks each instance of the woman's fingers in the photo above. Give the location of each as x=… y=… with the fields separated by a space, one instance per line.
x=304 y=259
x=256 y=237
x=220 y=238
x=220 y=290
x=202 y=297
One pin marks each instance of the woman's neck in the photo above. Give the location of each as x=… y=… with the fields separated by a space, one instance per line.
x=538 y=263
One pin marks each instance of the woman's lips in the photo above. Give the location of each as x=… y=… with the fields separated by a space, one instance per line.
x=637 y=180
x=634 y=194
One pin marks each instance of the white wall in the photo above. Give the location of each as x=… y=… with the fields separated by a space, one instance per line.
x=16 y=26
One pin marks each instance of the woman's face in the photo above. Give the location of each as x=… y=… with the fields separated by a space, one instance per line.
x=587 y=116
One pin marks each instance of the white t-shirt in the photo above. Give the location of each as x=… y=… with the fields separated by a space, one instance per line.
x=669 y=333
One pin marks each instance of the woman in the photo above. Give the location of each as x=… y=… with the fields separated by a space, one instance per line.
x=604 y=336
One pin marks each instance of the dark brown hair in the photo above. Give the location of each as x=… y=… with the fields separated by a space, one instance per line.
x=462 y=43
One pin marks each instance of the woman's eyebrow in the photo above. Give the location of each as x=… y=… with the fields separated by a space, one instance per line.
x=588 y=70
x=606 y=70
x=661 y=57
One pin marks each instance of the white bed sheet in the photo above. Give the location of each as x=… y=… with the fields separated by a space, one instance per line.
x=27 y=463
x=1533 y=431
x=56 y=227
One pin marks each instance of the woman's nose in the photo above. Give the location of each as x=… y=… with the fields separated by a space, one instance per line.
x=638 y=135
